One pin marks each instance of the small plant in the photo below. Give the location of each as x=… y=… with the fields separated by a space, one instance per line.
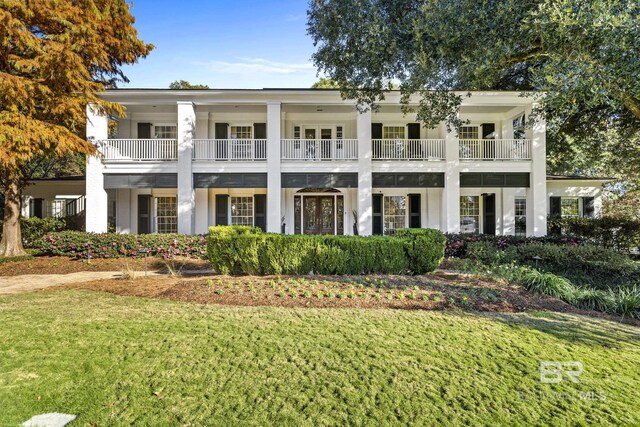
x=281 y=294
x=293 y=293
x=412 y=296
x=210 y=283
x=401 y=296
x=219 y=291
x=330 y=294
x=128 y=271
x=306 y=294
x=319 y=294
x=342 y=295
x=425 y=297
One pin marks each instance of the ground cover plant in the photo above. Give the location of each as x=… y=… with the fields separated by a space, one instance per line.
x=117 y=360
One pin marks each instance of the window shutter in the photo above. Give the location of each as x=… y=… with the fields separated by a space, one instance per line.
x=414 y=211
x=260 y=130
x=377 y=214
x=588 y=207
x=376 y=130
x=222 y=131
x=144 y=213
x=260 y=211
x=144 y=130
x=37 y=210
x=413 y=130
x=488 y=131
x=222 y=208
x=554 y=207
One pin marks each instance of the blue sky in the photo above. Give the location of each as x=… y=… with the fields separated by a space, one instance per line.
x=223 y=44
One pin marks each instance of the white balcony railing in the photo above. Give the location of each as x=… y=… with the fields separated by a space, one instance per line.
x=220 y=150
x=319 y=149
x=408 y=149
x=139 y=149
x=495 y=149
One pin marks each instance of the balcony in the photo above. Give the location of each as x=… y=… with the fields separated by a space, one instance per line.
x=319 y=149
x=408 y=149
x=224 y=150
x=128 y=150
x=495 y=149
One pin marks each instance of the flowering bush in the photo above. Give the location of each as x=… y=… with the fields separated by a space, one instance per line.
x=110 y=245
x=457 y=244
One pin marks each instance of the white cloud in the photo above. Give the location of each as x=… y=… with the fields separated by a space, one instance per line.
x=258 y=65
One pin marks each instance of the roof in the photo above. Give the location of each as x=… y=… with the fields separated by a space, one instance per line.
x=577 y=178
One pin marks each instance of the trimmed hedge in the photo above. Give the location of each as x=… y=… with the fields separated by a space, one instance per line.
x=236 y=251
x=79 y=244
x=584 y=265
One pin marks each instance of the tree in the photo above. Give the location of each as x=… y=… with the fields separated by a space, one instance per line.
x=584 y=56
x=183 y=84
x=55 y=58
x=325 y=83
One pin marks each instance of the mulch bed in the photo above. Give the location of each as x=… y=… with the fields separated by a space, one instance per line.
x=65 y=265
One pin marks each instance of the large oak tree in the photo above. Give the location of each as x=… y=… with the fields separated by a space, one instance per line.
x=55 y=57
x=583 y=54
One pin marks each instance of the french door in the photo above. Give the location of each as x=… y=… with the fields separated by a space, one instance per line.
x=319 y=214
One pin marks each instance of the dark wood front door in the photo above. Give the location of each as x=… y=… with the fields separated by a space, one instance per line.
x=319 y=215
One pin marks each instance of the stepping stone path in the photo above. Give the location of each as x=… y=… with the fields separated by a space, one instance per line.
x=53 y=419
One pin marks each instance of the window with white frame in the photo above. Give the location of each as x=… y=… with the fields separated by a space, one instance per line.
x=296 y=136
x=521 y=216
x=241 y=132
x=569 y=207
x=393 y=132
x=469 y=214
x=395 y=213
x=166 y=215
x=339 y=137
x=166 y=131
x=469 y=132
x=242 y=210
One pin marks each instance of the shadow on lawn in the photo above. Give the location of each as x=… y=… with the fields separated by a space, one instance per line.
x=573 y=328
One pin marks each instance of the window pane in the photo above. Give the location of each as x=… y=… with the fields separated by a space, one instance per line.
x=469 y=214
x=393 y=132
x=469 y=132
x=166 y=132
x=569 y=206
x=241 y=132
x=395 y=213
x=521 y=217
x=242 y=210
x=166 y=215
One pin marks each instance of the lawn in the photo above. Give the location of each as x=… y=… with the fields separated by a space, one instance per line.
x=117 y=360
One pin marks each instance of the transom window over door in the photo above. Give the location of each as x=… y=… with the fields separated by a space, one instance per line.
x=395 y=213
x=393 y=132
x=469 y=214
x=166 y=215
x=242 y=210
x=166 y=132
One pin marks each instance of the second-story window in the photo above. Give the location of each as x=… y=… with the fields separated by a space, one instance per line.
x=166 y=132
x=393 y=132
x=241 y=132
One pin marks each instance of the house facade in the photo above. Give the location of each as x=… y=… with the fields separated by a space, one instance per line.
x=306 y=161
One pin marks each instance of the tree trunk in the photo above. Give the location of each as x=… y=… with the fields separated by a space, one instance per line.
x=11 y=243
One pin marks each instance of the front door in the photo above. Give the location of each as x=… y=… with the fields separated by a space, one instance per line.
x=319 y=215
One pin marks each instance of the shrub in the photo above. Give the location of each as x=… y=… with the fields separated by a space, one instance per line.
x=626 y=301
x=254 y=252
x=594 y=299
x=111 y=245
x=612 y=233
x=458 y=244
x=546 y=284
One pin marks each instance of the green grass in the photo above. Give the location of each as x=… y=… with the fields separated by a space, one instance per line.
x=120 y=361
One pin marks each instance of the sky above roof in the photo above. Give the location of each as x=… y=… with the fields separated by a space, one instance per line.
x=223 y=44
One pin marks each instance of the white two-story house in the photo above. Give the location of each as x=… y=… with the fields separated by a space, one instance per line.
x=306 y=161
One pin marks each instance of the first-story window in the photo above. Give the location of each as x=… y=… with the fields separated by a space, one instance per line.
x=166 y=215
x=166 y=132
x=569 y=207
x=469 y=214
x=242 y=210
x=395 y=213
x=521 y=216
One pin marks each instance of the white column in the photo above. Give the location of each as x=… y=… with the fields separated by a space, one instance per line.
x=537 y=194
x=450 y=219
x=365 y=177
x=274 y=184
x=186 y=195
x=96 y=197
x=202 y=210
x=508 y=211
x=123 y=209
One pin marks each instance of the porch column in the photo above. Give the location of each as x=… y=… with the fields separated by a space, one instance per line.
x=537 y=193
x=365 y=177
x=450 y=220
x=186 y=195
x=96 y=211
x=274 y=185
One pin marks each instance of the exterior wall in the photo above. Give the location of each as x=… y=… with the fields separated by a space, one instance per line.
x=577 y=188
x=49 y=191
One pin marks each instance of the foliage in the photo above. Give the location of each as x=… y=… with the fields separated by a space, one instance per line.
x=581 y=58
x=235 y=250
x=458 y=243
x=55 y=59
x=325 y=83
x=111 y=245
x=625 y=206
x=183 y=84
x=612 y=233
